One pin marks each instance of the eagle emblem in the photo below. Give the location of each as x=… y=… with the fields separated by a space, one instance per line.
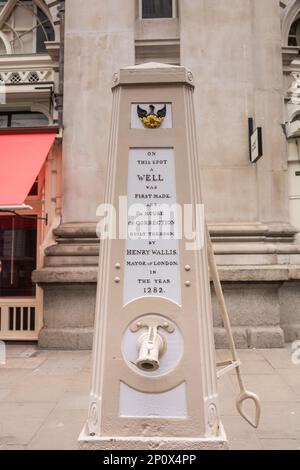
x=153 y=119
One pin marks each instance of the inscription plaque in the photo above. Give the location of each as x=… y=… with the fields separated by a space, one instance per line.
x=152 y=250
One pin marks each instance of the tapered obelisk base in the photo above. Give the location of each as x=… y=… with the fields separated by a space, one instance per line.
x=154 y=379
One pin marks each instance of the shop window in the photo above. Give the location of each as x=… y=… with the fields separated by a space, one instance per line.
x=158 y=9
x=18 y=247
x=22 y=119
x=26 y=29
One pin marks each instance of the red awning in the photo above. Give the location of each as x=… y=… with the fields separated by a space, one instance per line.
x=21 y=159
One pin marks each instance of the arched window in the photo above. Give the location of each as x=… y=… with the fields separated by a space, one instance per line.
x=296 y=117
x=25 y=28
x=294 y=34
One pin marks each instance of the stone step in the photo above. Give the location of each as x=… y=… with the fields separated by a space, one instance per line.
x=66 y=275
x=231 y=274
x=245 y=338
x=77 y=241
x=73 y=250
x=76 y=230
x=52 y=261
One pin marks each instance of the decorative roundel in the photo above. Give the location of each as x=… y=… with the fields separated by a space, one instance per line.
x=212 y=415
x=93 y=414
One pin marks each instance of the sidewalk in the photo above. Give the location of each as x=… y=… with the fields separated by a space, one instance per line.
x=44 y=399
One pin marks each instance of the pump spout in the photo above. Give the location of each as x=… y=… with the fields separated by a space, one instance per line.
x=151 y=347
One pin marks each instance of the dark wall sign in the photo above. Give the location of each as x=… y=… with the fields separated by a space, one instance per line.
x=255 y=142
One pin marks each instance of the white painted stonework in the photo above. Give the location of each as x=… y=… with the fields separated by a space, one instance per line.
x=154 y=373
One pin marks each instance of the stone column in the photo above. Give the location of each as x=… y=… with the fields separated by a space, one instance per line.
x=217 y=44
x=234 y=50
x=268 y=110
x=99 y=39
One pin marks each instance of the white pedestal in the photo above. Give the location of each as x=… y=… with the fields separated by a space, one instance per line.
x=87 y=442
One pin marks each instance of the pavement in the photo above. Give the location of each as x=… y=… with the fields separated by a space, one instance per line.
x=44 y=399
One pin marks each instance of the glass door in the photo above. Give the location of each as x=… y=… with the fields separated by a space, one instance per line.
x=18 y=248
x=19 y=297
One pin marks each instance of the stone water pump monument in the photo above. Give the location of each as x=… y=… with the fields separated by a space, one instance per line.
x=154 y=377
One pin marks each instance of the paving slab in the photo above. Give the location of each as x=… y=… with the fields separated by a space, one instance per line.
x=279 y=358
x=249 y=444
x=16 y=350
x=245 y=355
x=237 y=431
x=60 y=431
x=269 y=388
x=38 y=390
x=280 y=444
x=9 y=377
x=76 y=400
x=44 y=399
x=255 y=367
x=19 y=422
x=80 y=381
x=23 y=362
x=64 y=364
x=291 y=378
x=280 y=421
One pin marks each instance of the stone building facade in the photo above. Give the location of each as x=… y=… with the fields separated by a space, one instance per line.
x=245 y=59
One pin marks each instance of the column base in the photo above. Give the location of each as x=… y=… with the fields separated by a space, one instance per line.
x=291 y=332
x=72 y=339
x=261 y=337
x=87 y=442
x=259 y=266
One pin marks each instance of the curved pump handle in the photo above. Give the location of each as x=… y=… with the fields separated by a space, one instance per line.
x=241 y=399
